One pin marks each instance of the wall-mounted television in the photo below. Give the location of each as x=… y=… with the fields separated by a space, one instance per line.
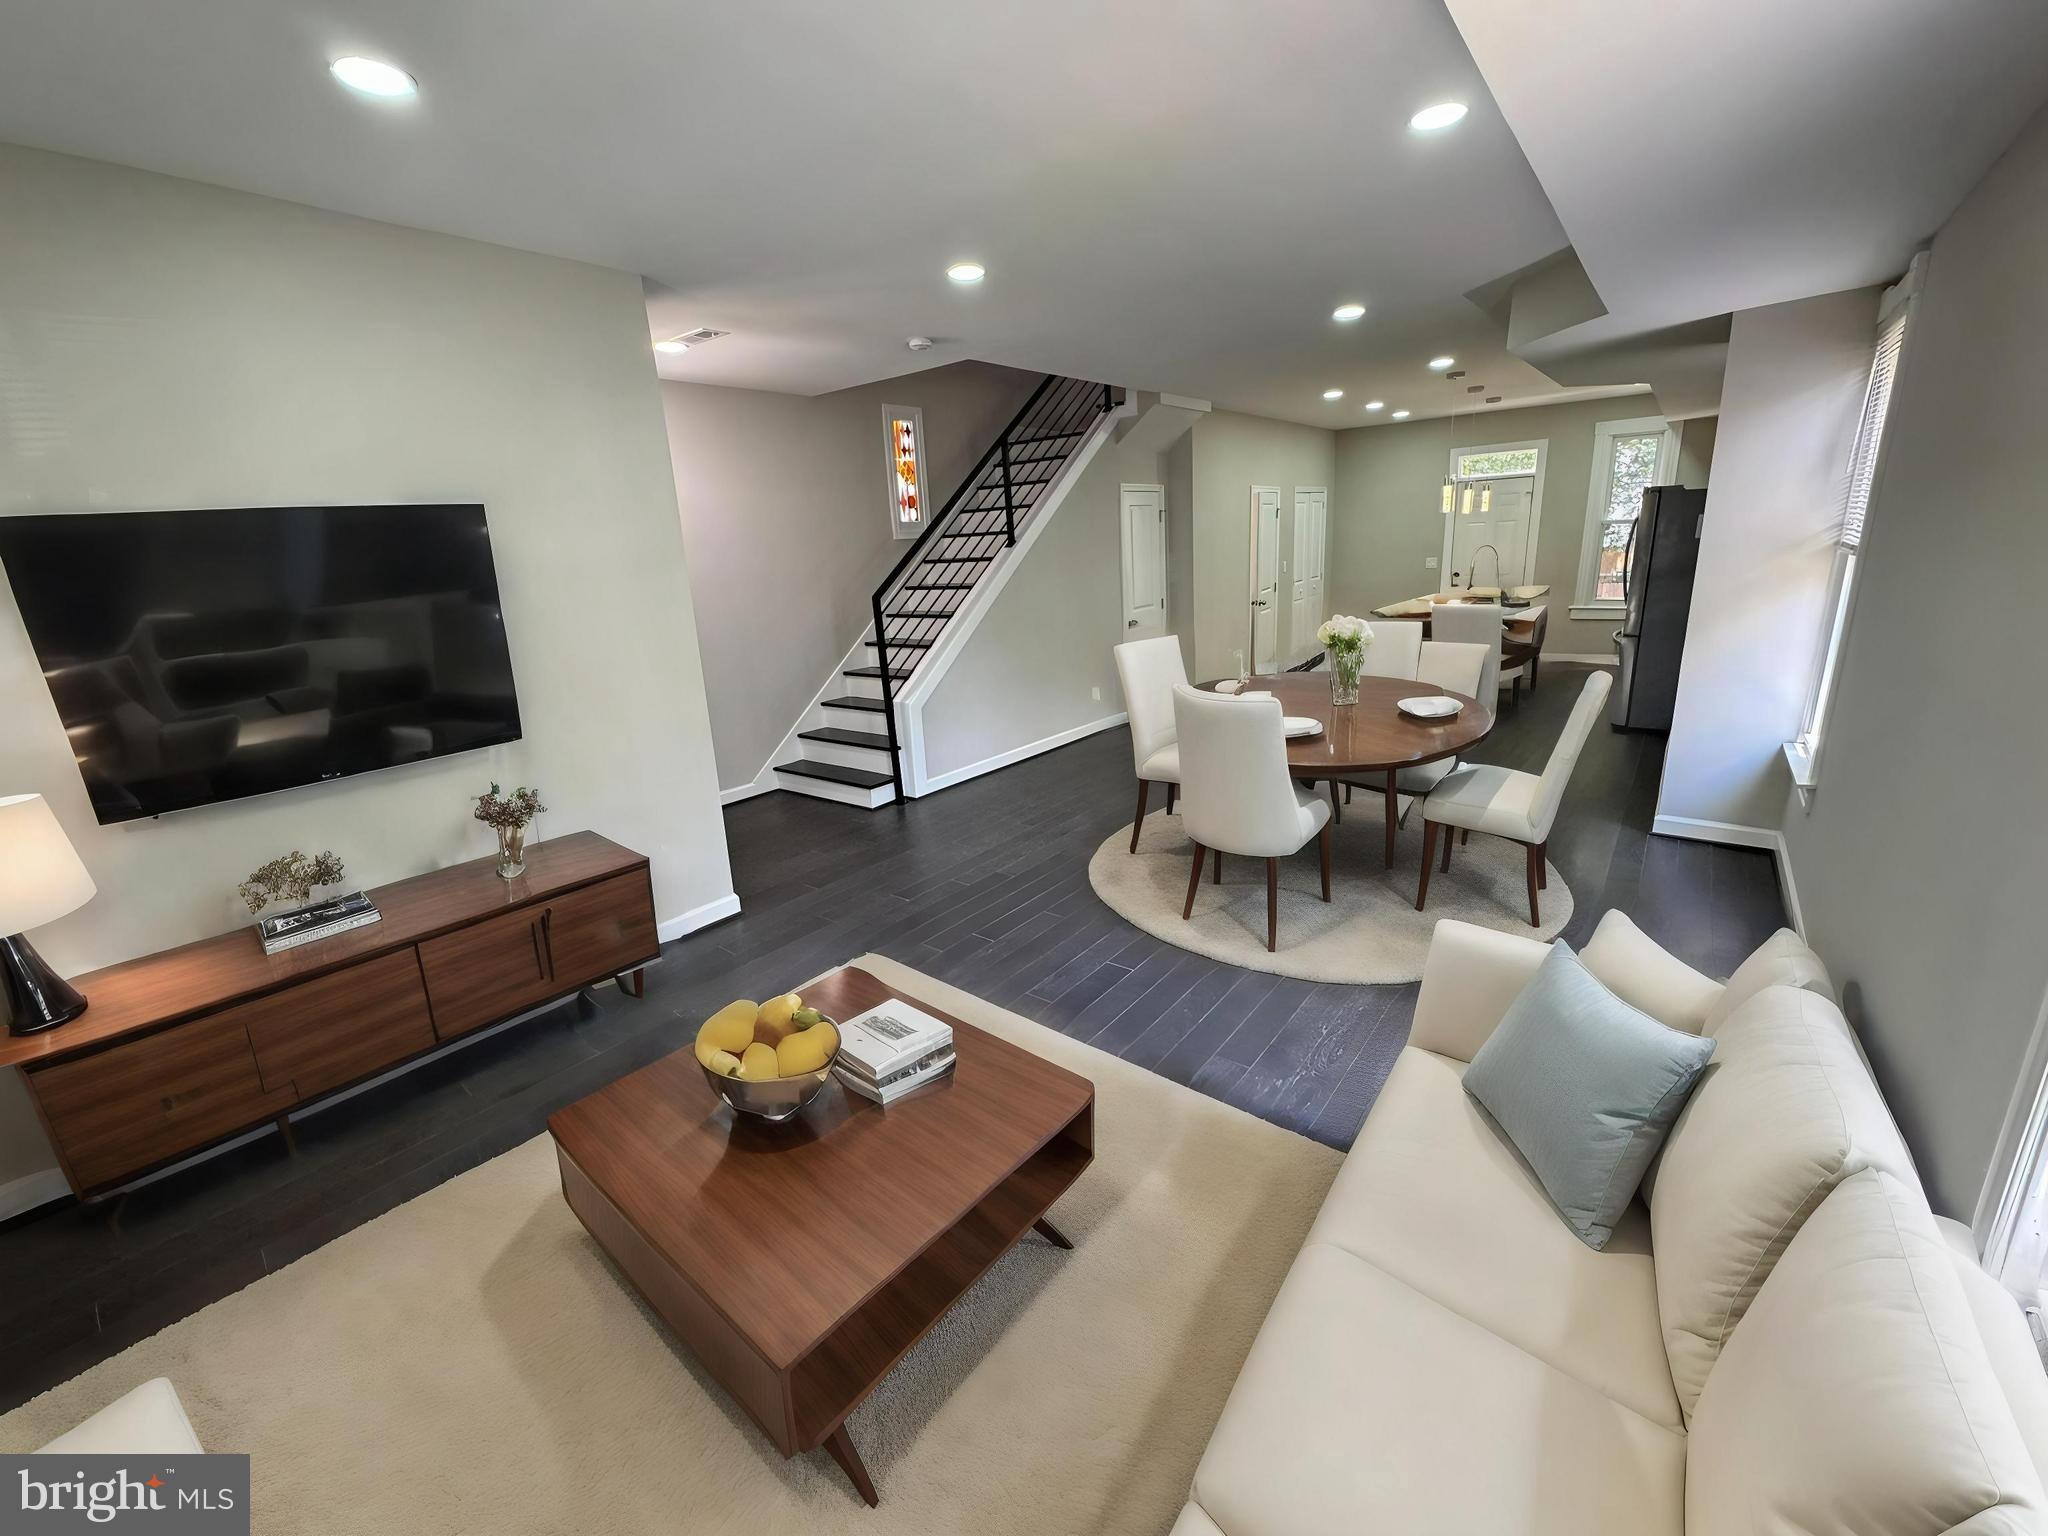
x=203 y=656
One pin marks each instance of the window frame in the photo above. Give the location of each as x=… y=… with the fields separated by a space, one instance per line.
x=1599 y=483
x=1529 y=546
x=891 y=414
x=1803 y=752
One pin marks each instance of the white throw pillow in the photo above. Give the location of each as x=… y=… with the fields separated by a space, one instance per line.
x=1857 y=1398
x=1646 y=975
x=1782 y=960
x=1784 y=1113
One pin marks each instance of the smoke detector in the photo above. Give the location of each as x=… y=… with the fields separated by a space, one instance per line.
x=919 y=343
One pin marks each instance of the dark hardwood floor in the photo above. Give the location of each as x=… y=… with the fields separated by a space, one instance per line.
x=984 y=885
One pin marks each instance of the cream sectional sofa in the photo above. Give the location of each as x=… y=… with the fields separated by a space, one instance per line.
x=1781 y=1337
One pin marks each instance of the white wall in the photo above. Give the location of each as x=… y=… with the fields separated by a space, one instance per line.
x=786 y=521
x=1919 y=864
x=1231 y=453
x=165 y=344
x=1796 y=378
x=1040 y=667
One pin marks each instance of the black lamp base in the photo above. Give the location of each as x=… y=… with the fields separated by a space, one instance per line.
x=37 y=997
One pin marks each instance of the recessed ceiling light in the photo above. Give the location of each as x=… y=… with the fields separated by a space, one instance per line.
x=967 y=272
x=373 y=77
x=671 y=347
x=1348 y=312
x=1441 y=363
x=1375 y=405
x=1400 y=415
x=1333 y=394
x=1442 y=115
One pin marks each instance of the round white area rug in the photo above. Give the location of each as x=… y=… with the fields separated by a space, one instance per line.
x=1369 y=930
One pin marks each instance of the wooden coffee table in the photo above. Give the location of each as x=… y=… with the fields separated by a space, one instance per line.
x=799 y=1261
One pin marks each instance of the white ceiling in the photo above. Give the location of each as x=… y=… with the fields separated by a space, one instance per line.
x=1715 y=155
x=1170 y=194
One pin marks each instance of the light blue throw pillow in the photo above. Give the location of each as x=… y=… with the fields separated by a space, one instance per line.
x=1586 y=1087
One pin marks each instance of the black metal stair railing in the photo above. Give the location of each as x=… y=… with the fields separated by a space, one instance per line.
x=969 y=533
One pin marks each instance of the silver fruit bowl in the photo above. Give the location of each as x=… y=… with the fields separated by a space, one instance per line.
x=774 y=1099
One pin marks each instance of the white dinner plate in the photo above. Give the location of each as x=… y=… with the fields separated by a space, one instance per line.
x=1301 y=725
x=1434 y=706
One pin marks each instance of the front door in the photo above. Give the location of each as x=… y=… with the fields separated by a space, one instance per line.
x=1311 y=523
x=1144 y=561
x=1265 y=577
x=1500 y=528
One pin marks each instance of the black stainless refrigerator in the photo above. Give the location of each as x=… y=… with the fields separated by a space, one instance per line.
x=1657 y=571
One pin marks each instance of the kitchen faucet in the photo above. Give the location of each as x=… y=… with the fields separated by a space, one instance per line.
x=1469 y=582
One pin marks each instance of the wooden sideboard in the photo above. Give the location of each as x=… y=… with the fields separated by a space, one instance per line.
x=180 y=1049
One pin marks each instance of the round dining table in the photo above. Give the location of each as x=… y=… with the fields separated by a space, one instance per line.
x=1371 y=736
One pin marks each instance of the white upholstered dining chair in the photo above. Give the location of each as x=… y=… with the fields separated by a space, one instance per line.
x=1507 y=803
x=1456 y=667
x=1237 y=796
x=1473 y=624
x=1395 y=645
x=1150 y=670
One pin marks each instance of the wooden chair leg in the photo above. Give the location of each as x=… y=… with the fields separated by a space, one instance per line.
x=1138 y=821
x=1172 y=789
x=1194 y=879
x=1465 y=835
x=1445 y=868
x=1535 y=913
x=1543 y=866
x=1336 y=805
x=1347 y=794
x=1393 y=813
x=1429 y=830
x=1219 y=867
x=1272 y=905
x=1324 y=841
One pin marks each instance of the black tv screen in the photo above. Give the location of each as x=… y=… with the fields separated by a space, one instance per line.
x=205 y=656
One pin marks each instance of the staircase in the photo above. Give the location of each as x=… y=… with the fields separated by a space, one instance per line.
x=849 y=743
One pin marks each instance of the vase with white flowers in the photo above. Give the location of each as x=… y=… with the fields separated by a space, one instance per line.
x=1344 y=640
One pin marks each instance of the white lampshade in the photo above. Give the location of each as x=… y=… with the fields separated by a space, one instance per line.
x=41 y=878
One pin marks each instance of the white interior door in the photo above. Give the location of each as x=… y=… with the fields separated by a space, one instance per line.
x=1265 y=577
x=1504 y=525
x=1311 y=537
x=1144 y=561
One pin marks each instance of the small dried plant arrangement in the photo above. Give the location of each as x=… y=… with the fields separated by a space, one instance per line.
x=508 y=816
x=508 y=812
x=291 y=879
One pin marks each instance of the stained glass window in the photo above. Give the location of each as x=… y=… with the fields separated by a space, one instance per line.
x=903 y=450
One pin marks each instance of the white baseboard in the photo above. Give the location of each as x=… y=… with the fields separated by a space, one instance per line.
x=32 y=1190
x=1732 y=833
x=1018 y=754
x=675 y=927
x=1789 y=890
x=744 y=792
x=1736 y=835
x=1589 y=659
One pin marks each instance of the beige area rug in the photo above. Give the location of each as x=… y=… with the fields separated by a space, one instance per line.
x=471 y=1362
x=1369 y=930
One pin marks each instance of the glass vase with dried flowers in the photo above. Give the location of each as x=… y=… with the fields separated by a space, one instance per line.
x=507 y=815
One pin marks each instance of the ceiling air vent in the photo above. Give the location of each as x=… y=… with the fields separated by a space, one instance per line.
x=699 y=336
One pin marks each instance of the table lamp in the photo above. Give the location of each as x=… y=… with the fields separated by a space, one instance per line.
x=41 y=879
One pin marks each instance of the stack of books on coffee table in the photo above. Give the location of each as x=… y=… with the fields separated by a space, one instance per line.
x=322 y=920
x=891 y=1050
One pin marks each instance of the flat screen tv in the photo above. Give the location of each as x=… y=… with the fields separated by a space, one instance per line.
x=204 y=656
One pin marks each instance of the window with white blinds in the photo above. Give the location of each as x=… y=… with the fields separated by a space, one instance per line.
x=1803 y=755
x=1870 y=430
